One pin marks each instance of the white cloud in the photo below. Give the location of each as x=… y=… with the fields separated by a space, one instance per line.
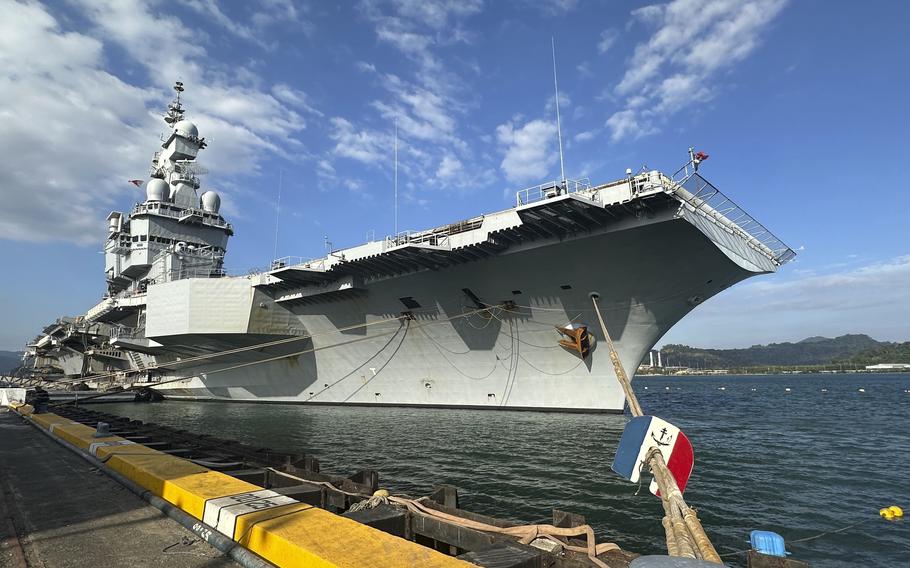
x=691 y=42
x=70 y=128
x=871 y=298
x=449 y=167
x=211 y=10
x=78 y=131
x=608 y=37
x=552 y=7
x=585 y=136
x=528 y=150
x=362 y=145
x=426 y=106
x=627 y=124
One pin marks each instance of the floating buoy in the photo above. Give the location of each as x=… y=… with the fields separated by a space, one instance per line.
x=721 y=388
x=861 y=390
x=891 y=513
x=646 y=388
x=787 y=389
x=753 y=390
x=907 y=391
x=824 y=390
x=666 y=388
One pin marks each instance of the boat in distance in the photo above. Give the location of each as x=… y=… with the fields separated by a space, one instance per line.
x=490 y=312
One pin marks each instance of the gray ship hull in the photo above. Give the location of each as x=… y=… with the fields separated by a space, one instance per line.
x=649 y=274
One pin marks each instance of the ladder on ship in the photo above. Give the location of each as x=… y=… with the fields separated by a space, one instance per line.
x=137 y=360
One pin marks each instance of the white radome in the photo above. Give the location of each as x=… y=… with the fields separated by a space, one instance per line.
x=157 y=190
x=211 y=201
x=186 y=128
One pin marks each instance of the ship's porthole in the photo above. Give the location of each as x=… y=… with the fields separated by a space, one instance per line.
x=427 y=385
x=566 y=286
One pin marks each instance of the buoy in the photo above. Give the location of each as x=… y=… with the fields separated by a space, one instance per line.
x=824 y=390
x=646 y=388
x=787 y=389
x=891 y=513
x=721 y=388
x=753 y=390
x=667 y=388
x=380 y=493
x=861 y=390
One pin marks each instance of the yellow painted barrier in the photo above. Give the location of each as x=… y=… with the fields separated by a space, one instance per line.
x=288 y=535
x=313 y=537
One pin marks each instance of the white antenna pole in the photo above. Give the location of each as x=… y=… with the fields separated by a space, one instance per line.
x=562 y=167
x=278 y=212
x=396 y=176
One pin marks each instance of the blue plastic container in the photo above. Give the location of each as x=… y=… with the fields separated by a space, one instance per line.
x=767 y=542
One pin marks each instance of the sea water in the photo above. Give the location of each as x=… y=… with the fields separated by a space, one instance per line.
x=799 y=463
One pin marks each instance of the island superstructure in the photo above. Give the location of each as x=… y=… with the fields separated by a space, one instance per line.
x=489 y=312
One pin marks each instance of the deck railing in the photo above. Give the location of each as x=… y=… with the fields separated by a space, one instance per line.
x=550 y=189
x=703 y=197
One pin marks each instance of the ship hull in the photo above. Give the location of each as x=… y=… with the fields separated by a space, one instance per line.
x=355 y=348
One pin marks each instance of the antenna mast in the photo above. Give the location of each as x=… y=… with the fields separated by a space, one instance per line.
x=396 y=177
x=562 y=167
x=278 y=212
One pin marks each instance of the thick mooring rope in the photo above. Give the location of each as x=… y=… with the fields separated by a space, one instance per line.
x=685 y=535
x=525 y=533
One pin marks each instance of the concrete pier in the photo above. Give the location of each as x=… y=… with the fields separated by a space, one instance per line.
x=57 y=511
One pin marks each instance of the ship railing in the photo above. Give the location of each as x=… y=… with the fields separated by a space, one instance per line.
x=184 y=273
x=435 y=239
x=550 y=190
x=284 y=261
x=699 y=194
x=164 y=209
x=125 y=332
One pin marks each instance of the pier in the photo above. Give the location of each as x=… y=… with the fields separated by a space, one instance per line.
x=71 y=483
x=57 y=510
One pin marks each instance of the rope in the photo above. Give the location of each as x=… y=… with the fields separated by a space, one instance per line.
x=234 y=350
x=525 y=533
x=287 y=355
x=685 y=535
x=808 y=538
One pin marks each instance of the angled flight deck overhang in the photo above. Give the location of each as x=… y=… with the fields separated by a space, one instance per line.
x=550 y=212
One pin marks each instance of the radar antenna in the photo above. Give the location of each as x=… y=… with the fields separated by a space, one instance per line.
x=562 y=167
x=175 y=109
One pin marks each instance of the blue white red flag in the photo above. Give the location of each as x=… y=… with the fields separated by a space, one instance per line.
x=645 y=432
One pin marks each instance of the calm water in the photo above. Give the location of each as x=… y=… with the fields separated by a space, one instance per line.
x=797 y=463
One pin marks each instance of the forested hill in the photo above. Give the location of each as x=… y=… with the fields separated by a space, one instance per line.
x=887 y=353
x=809 y=351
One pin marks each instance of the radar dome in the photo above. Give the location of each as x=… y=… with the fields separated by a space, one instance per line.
x=186 y=128
x=211 y=202
x=157 y=190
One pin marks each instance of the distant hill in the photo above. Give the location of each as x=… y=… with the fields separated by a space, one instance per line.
x=9 y=360
x=888 y=353
x=809 y=351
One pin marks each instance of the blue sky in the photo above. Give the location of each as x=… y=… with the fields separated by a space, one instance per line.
x=801 y=105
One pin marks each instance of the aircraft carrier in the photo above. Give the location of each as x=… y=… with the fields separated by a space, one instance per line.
x=489 y=312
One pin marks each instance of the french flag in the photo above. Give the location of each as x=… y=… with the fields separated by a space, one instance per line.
x=645 y=432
